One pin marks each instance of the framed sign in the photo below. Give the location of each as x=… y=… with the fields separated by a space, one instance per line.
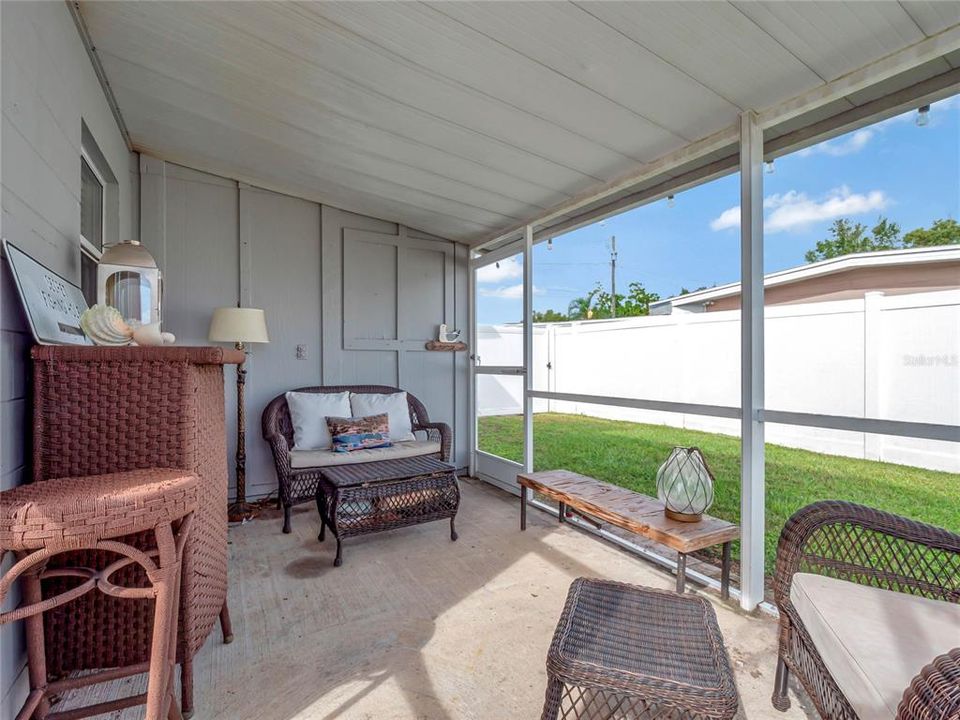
x=53 y=305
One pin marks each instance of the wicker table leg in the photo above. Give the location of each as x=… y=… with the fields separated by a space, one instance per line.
x=551 y=705
x=562 y=512
x=681 y=572
x=321 y=499
x=335 y=504
x=226 y=627
x=725 y=573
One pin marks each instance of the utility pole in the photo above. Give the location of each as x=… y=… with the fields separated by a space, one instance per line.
x=613 y=276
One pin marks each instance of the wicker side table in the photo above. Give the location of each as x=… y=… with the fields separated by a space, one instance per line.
x=386 y=494
x=630 y=652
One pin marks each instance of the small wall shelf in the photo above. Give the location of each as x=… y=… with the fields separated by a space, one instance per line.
x=437 y=346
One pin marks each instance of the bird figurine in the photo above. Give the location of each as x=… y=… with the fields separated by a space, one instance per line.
x=448 y=336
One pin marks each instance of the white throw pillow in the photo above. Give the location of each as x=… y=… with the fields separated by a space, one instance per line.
x=394 y=405
x=309 y=413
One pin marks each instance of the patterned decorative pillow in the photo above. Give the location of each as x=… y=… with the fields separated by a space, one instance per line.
x=359 y=433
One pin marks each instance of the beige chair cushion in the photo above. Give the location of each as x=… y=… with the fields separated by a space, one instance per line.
x=325 y=458
x=873 y=642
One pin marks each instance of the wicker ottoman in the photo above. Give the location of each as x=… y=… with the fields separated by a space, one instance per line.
x=627 y=652
x=386 y=494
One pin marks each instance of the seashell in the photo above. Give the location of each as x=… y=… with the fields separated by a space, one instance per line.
x=105 y=326
x=148 y=335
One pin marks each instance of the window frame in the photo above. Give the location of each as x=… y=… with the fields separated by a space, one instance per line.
x=88 y=249
x=87 y=245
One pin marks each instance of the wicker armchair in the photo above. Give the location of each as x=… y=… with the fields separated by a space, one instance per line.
x=871 y=548
x=934 y=694
x=297 y=486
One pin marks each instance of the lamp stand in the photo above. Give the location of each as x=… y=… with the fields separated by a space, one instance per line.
x=240 y=510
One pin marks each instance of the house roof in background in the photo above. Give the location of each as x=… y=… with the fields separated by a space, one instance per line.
x=468 y=119
x=856 y=261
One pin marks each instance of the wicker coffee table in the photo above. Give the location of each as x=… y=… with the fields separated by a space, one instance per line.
x=631 y=652
x=376 y=496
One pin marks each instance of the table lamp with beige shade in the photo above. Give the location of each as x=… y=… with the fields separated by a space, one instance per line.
x=239 y=325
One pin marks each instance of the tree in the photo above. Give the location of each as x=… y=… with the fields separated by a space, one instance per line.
x=597 y=304
x=638 y=301
x=942 y=232
x=547 y=316
x=847 y=237
x=886 y=234
x=580 y=307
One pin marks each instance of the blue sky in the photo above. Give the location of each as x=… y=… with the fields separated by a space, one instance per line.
x=906 y=173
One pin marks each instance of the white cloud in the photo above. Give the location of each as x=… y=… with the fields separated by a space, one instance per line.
x=794 y=210
x=838 y=148
x=729 y=218
x=509 y=292
x=508 y=269
x=798 y=211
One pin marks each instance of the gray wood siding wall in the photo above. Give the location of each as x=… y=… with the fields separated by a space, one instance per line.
x=385 y=291
x=49 y=91
x=361 y=295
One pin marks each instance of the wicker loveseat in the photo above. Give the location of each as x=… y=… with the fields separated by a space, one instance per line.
x=869 y=614
x=298 y=472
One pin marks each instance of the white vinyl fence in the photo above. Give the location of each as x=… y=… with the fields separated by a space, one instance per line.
x=891 y=357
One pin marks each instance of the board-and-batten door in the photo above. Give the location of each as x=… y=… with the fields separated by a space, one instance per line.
x=396 y=290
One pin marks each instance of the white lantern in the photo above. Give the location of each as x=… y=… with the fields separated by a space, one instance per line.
x=685 y=485
x=129 y=280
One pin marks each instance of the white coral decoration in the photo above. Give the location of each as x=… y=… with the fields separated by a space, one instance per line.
x=105 y=326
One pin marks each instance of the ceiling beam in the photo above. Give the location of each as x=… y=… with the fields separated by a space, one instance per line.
x=670 y=186
x=689 y=153
x=924 y=51
x=919 y=53
x=921 y=93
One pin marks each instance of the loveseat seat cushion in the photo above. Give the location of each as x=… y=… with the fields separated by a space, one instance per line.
x=873 y=641
x=300 y=459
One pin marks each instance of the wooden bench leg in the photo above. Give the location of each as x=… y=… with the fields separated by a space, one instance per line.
x=523 y=507
x=681 y=572
x=725 y=573
x=562 y=515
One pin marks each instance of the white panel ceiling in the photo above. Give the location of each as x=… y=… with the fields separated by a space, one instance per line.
x=465 y=118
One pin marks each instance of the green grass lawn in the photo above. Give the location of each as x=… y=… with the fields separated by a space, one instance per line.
x=629 y=454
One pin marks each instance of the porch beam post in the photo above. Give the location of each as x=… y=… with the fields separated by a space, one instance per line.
x=528 y=348
x=752 y=465
x=472 y=360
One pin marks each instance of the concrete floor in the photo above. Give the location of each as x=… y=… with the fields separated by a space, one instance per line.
x=415 y=626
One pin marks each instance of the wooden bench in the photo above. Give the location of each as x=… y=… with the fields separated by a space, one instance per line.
x=634 y=512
